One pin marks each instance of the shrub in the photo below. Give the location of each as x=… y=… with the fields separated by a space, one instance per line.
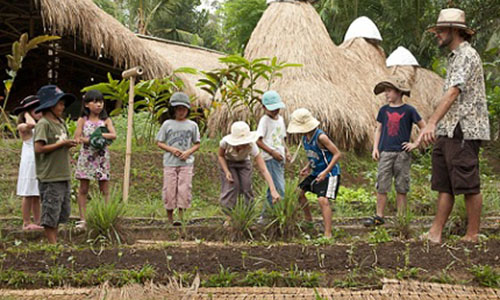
x=285 y=214
x=103 y=218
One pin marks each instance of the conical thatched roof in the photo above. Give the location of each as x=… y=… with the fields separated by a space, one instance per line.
x=336 y=82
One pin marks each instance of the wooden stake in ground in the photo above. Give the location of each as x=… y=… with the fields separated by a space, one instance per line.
x=132 y=74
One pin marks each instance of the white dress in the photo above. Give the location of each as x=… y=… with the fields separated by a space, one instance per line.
x=27 y=184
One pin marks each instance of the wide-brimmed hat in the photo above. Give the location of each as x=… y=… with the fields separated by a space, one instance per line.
x=272 y=100
x=180 y=98
x=392 y=82
x=302 y=121
x=49 y=95
x=240 y=134
x=26 y=104
x=452 y=17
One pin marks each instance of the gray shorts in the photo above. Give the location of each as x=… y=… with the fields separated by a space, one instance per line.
x=56 y=199
x=393 y=165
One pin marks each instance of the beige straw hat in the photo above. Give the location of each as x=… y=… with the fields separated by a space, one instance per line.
x=393 y=82
x=302 y=121
x=452 y=17
x=240 y=134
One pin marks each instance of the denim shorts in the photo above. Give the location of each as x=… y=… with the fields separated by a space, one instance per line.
x=56 y=199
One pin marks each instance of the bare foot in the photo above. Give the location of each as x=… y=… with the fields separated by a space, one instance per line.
x=428 y=237
x=31 y=227
x=470 y=239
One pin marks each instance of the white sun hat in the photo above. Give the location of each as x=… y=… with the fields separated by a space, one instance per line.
x=240 y=134
x=401 y=57
x=302 y=121
x=363 y=27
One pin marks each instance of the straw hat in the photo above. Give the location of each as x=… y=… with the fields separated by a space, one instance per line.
x=240 y=134
x=302 y=121
x=451 y=17
x=393 y=82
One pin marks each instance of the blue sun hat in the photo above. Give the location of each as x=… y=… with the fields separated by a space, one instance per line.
x=272 y=100
x=49 y=95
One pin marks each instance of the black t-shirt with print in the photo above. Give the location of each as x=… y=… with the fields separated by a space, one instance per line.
x=397 y=123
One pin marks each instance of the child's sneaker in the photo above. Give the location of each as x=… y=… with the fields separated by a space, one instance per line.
x=374 y=221
x=81 y=225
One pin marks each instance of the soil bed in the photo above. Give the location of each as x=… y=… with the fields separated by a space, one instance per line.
x=335 y=263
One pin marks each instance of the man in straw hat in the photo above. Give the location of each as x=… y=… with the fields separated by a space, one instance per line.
x=457 y=126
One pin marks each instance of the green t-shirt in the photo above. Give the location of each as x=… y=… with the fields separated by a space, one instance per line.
x=52 y=166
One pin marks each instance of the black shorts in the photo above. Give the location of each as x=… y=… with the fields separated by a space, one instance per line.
x=455 y=165
x=327 y=188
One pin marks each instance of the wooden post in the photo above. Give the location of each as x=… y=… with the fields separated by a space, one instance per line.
x=132 y=74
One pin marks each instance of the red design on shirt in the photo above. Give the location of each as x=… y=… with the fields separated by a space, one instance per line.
x=393 y=122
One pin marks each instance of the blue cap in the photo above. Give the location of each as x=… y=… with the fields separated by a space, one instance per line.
x=272 y=100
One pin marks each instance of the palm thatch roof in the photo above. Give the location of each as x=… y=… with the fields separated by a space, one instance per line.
x=183 y=55
x=103 y=34
x=336 y=82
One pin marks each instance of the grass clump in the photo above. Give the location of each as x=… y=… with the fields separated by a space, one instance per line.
x=241 y=217
x=486 y=275
x=285 y=214
x=103 y=218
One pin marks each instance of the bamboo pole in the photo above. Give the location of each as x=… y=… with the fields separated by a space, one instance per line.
x=132 y=74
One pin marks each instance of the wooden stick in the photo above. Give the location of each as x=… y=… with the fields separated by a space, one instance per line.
x=130 y=73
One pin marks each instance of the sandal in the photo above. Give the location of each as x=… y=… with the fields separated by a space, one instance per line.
x=374 y=221
x=81 y=225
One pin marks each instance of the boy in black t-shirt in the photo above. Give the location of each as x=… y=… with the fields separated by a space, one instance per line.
x=392 y=145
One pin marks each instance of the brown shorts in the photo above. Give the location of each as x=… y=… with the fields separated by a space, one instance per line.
x=393 y=165
x=455 y=166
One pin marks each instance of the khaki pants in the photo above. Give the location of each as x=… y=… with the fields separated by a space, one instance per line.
x=242 y=184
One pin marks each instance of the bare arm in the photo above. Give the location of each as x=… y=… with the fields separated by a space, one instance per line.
x=376 y=141
x=428 y=134
x=78 y=132
x=328 y=144
x=111 y=135
x=170 y=149
x=223 y=164
x=25 y=128
x=275 y=154
x=185 y=155
x=41 y=147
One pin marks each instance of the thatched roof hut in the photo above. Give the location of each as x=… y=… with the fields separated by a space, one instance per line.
x=336 y=82
x=93 y=43
x=183 y=55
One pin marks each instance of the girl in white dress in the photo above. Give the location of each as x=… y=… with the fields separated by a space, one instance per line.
x=27 y=184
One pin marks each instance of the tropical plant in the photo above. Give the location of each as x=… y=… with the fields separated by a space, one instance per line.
x=15 y=62
x=239 y=18
x=236 y=84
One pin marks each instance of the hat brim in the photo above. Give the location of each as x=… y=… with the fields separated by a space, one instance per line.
x=275 y=106
x=28 y=107
x=295 y=127
x=181 y=104
x=380 y=87
x=68 y=99
x=252 y=137
x=454 y=25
